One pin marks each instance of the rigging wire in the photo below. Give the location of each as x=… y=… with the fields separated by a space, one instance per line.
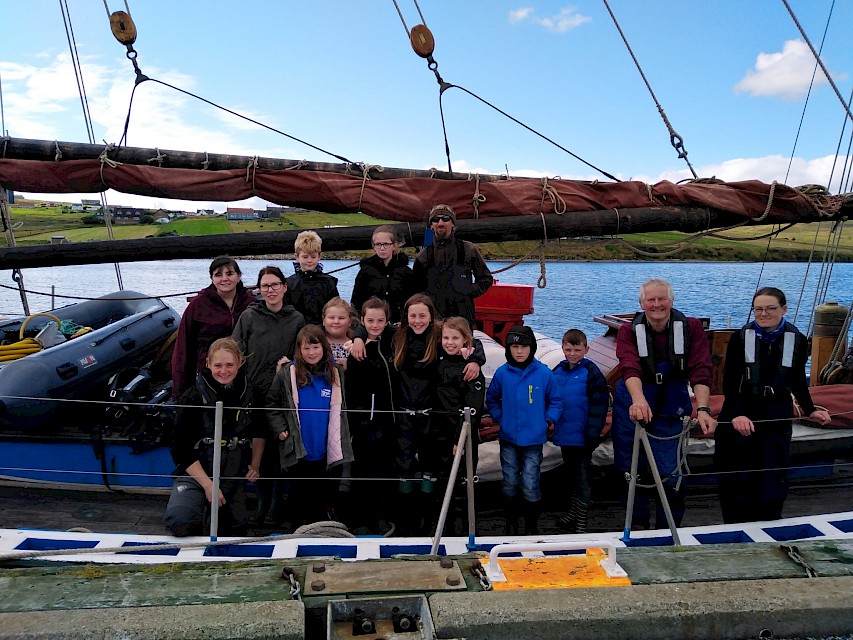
x=432 y=65
x=844 y=105
x=226 y=110
x=87 y=115
x=808 y=95
x=3 y=131
x=675 y=139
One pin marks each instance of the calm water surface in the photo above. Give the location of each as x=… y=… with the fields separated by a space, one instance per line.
x=575 y=292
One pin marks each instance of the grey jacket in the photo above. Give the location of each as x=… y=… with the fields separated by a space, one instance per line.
x=265 y=337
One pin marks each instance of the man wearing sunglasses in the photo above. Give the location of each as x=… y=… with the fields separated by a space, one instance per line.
x=451 y=271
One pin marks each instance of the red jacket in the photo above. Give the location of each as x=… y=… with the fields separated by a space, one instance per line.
x=206 y=319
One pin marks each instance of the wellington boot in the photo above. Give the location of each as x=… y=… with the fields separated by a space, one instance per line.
x=511 y=513
x=579 y=509
x=531 y=518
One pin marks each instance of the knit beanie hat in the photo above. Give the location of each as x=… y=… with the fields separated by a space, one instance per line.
x=522 y=335
x=442 y=209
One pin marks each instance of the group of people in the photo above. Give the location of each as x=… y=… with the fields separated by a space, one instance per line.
x=407 y=351
x=320 y=392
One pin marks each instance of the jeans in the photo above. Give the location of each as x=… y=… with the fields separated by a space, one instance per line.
x=521 y=465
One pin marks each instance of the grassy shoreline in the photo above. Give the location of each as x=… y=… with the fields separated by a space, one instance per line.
x=37 y=225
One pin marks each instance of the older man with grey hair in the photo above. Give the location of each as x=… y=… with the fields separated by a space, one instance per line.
x=661 y=352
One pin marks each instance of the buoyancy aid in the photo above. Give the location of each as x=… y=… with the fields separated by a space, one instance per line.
x=752 y=356
x=235 y=440
x=678 y=344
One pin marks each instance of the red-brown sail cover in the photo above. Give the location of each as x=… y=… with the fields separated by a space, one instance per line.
x=399 y=199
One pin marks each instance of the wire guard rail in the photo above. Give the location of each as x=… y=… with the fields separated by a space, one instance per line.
x=463 y=445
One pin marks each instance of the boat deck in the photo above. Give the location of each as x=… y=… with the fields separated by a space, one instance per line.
x=113 y=512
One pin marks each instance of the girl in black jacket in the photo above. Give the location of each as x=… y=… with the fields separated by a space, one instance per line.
x=386 y=274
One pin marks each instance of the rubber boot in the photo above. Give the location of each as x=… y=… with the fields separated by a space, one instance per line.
x=511 y=516
x=263 y=491
x=531 y=518
x=579 y=509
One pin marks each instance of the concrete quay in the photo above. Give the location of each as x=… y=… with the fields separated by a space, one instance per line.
x=732 y=610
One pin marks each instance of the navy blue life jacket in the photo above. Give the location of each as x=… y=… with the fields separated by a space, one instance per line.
x=678 y=345
x=752 y=355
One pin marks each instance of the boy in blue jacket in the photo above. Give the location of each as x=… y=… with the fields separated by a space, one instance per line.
x=523 y=397
x=586 y=398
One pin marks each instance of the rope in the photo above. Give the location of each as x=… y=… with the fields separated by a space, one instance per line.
x=542 y=282
x=675 y=139
x=297 y=166
x=365 y=176
x=159 y=158
x=104 y=159
x=478 y=197
x=66 y=297
x=251 y=168
x=556 y=199
x=58 y=156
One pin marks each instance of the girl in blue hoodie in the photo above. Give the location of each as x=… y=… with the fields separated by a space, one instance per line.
x=524 y=399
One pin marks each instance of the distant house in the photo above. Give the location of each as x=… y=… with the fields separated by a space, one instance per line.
x=240 y=213
x=90 y=203
x=162 y=221
x=204 y=212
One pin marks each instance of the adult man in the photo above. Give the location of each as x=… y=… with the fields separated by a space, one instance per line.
x=660 y=353
x=451 y=271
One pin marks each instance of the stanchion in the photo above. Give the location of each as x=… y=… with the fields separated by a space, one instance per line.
x=469 y=479
x=464 y=436
x=217 y=460
x=640 y=436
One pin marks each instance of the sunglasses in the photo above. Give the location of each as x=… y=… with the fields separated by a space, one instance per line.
x=443 y=218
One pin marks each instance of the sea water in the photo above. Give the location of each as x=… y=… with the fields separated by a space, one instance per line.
x=574 y=294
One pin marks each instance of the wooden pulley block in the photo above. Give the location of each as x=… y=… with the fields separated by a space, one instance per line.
x=123 y=27
x=422 y=41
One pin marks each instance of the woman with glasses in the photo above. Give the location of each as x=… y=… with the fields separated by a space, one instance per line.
x=211 y=315
x=266 y=333
x=385 y=274
x=765 y=365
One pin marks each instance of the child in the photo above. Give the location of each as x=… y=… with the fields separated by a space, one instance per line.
x=337 y=322
x=371 y=392
x=524 y=399
x=188 y=511
x=586 y=399
x=308 y=417
x=386 y=274
x=455 y=343
x=308 y=289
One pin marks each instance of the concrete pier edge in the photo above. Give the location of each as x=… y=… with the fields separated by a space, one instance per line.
x=283 y=620
x=700 y=611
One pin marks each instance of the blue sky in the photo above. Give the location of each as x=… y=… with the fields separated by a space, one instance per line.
x=731 y=75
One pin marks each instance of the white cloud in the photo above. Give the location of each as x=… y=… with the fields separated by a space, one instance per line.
x=565 y=20
x=786 y=74
x=767 y=169
x=519 y=15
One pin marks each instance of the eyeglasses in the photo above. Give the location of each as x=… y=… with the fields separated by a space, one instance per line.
x=275 y=286
x=383 y=245
x=758 y=310
x=443 y=218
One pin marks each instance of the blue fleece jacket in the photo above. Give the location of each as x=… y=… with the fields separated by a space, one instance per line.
x=586 y=399
x=523 y=401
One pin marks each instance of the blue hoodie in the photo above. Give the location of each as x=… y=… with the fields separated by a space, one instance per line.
x=523 y=401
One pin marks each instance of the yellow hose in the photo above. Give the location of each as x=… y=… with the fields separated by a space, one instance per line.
x=36 y=315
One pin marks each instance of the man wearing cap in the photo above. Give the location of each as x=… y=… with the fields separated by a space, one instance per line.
x=660 y=354
x=451 y=271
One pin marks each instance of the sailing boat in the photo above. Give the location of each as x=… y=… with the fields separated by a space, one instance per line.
x=488 y=205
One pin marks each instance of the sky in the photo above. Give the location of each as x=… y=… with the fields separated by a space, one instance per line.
x=731 y=75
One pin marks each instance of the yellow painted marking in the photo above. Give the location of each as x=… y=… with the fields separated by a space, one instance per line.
x=556 y=572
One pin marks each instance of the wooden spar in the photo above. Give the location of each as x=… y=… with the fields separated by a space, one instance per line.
x=569 y=225
x=27 y=149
